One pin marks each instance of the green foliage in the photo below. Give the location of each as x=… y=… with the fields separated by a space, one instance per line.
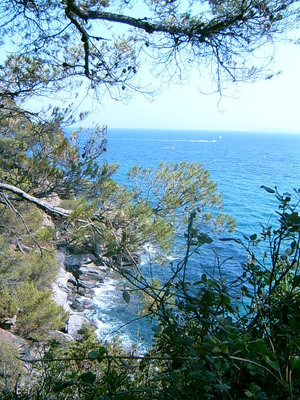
x=63 y=52
x=238 y=338
x=37 y=313
x=25 y=280
x=45 y=236
x=37 y=157
x=17 y=268
x=122 y=221
x=177 y=190
x=16 y=221
x=8 y=305
x=138 y=224
x=83 y=210
x=10 y=367
x=84 y=370
x=214 y=338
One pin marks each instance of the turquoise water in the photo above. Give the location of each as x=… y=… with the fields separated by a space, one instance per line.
x=238 y=162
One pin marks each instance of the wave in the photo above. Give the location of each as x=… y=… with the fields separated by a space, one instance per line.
x=148 y=252
x=172 y=140
x=116 y=319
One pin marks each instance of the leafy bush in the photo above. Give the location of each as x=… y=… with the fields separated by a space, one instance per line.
x=13 y=226
x=37 y=313
x=25 y=292
x=32 y=266
x=238 y=339
x=8 y=304
x=45 y=235
x=41 y=269
x=10 y=366
x=216 y=338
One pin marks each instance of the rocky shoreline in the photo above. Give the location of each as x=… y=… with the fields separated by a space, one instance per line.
x=79 y=273
x=74 y=286
x=77 y=277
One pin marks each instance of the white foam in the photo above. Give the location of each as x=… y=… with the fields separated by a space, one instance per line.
x=149 y=248
x=174 y=140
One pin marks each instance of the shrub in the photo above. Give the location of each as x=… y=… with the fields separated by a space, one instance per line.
x=38 y=314
x=10 y=366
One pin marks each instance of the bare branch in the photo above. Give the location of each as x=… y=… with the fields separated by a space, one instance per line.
x=47 y=208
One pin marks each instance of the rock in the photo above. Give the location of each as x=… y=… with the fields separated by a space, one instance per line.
x=60 y=289
x=78 y=275
x=72 y=281
x=85 y=276
x=9 y=322
x=92 y=278
x=61 y=337
x=84 y=292
x=75 y=323
x=60 y=297
x=23 y=347
x=78 y=259
x=53 y=201
x=92 y=269
x=81 y=304
x=86 y=284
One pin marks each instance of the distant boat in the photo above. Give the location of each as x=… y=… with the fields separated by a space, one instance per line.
x=220 y=137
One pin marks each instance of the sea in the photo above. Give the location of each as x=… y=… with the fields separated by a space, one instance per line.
x=239 y=162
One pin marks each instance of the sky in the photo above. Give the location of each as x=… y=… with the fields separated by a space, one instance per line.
x=272 y=105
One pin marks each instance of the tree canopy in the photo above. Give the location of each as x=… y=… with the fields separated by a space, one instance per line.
x=52 y=45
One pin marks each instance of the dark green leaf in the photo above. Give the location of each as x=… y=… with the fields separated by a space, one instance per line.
x=226 y=239
x=94 y=354
x=204 y=239
x=97 y=354
x=269 y=190
x=273 y=364
x=62 y=385
x=126 y=296
x=88 y=377
x=295 y=363
x=169 y=329
x=188 y=341
x=258 y=346
x=296 y=282
x=156 y=328
x=191 y=307
x=221 y=387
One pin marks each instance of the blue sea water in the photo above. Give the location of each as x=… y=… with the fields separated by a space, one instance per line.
x=240 y=163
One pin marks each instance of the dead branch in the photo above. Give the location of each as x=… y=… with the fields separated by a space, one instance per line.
x=42 y=205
